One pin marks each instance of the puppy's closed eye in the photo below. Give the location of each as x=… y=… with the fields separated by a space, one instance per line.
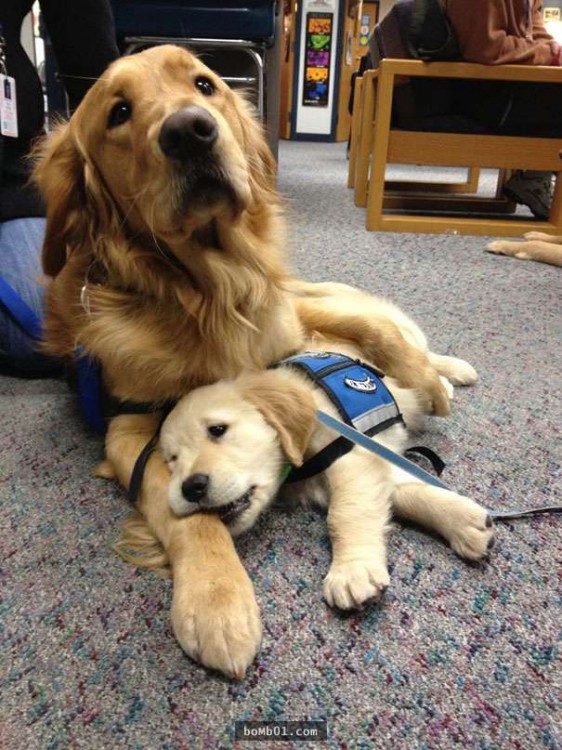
x=170 y=459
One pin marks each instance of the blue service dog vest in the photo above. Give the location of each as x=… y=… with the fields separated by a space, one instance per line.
x=355 y=388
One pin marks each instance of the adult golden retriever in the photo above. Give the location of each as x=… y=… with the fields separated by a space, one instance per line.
x=165 y=242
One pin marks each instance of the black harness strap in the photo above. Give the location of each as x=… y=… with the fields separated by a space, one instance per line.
x=334 y=450
x=140 y=465
x=141 y=462
x=321 y=461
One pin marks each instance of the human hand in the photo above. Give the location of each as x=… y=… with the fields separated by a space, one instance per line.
x=556 y=53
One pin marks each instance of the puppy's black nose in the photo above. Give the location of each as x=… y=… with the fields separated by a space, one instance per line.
x=195 y=487
x=188 y=132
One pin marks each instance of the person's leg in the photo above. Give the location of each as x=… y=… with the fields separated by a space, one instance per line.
x=535 y=110
x=20 y=267
x=519 y=109
x=531 y=188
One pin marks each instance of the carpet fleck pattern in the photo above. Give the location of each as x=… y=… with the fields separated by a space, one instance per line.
x=456 y=656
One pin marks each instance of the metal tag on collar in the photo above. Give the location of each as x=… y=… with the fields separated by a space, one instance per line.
x=85 y=299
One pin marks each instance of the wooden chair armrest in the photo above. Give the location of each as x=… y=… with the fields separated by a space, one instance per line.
x=370 y=74
x=531 y=73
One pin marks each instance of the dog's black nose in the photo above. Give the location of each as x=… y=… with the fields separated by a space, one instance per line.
x=195 y=487
x=188 y=132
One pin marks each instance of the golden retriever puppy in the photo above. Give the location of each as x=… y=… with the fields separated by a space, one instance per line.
x=227 y=446
x=545 y=248
x=165 y=246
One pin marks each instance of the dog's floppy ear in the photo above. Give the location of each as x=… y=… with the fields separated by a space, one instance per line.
x=59 y=175
x=80 y=212
x=287 y=406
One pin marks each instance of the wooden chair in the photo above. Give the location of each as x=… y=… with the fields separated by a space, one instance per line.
x=380 y=145
x=360 y=153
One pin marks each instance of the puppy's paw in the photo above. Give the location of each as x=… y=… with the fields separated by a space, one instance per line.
x=433 y=388
x=470 y=528
x=217 y=622
x=461 y=372
x=448 y=386
x=349 y=585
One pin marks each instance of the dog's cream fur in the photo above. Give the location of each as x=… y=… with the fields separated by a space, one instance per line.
x=268 y=418
x=545 y=248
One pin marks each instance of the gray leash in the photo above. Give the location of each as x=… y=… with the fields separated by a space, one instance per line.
x=401 y=462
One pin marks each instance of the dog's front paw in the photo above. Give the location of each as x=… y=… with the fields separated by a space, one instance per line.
x=217 y=621
x=498 y=246
x=540 y=236
x=470 y=529
x=349 y=585
x=505 y=247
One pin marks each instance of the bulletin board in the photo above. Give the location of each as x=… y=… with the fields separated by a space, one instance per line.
x=317 y=47
x=318 y=59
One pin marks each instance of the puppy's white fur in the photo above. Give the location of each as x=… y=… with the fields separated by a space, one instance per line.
x=270 y=418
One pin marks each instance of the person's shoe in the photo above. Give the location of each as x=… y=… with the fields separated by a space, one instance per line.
x=532 y=189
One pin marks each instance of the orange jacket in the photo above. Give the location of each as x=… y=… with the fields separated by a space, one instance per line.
x=496 y=32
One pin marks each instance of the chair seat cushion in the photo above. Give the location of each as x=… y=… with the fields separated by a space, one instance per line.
x=252 y=20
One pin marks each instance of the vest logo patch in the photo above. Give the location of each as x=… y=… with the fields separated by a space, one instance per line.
x=368 y=385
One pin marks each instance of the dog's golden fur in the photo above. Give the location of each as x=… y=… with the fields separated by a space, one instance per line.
x=172 y=276
x=545 y=248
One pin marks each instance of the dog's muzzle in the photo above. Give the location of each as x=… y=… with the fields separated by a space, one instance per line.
x=190 y=132
x=195 y=488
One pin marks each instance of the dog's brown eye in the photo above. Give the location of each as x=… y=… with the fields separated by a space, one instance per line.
x=120 y=113
x=217 y=430
x=205 y=86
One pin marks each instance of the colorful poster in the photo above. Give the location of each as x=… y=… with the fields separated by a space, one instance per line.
x=318 y=52
x=364 y=30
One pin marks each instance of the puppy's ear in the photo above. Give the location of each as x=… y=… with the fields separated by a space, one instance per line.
x=287 y=406
x=59 y=175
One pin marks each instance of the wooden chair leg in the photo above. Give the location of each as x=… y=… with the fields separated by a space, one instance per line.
x=473 y=178
x=503 y=177
x=365 y=140
x=355 y=132
x=381 y=133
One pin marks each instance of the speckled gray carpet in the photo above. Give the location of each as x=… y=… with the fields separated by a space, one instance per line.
x=456 y=656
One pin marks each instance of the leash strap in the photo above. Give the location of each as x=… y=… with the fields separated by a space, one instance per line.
x=394 y=458
x=19 y=311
